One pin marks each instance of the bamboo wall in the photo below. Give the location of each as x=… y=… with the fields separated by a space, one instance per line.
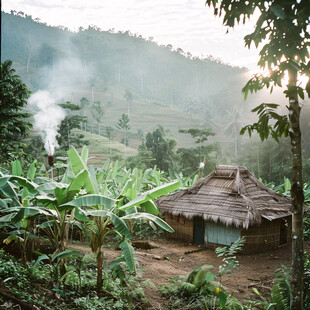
x=266 y=236
x=260 y=238
x=183 y=228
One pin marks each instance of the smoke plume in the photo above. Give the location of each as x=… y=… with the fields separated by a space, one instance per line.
x=47 y=117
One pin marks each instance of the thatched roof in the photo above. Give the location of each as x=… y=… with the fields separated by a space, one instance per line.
x=230 y=195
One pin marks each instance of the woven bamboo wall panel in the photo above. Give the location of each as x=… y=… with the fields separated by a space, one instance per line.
x=181 y=231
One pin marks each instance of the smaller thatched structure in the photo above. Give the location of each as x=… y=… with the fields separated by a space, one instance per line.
x=229 y=203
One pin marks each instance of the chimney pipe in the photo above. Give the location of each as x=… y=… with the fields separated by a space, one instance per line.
x=50 y=160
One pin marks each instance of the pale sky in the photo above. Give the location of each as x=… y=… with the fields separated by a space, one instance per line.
x=187 y=24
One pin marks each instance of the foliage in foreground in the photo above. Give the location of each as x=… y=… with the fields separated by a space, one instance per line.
x=86 y=199
x=281 y=293
x=202 y=289
x=199 y=290
x=122 y=290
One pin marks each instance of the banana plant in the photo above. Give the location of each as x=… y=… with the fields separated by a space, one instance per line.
x=110 y=214
x=57 y=194
x=107 y=197
x=17 y=217
x=33 y=200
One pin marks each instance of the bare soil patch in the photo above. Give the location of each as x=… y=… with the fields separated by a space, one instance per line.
x=162 y=259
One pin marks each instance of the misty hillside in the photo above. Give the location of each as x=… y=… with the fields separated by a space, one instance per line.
x=167 y=86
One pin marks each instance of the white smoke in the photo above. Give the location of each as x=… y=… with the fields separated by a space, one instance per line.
x=47 y=118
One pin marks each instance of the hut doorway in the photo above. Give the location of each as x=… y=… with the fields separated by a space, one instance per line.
x=283 y=232
x=199 y=230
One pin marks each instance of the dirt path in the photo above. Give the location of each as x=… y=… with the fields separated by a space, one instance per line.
x=169 y=258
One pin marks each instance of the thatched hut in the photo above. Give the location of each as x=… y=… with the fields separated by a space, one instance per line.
x=229 y=203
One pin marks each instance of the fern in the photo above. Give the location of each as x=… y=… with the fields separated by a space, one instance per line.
x=281 y=294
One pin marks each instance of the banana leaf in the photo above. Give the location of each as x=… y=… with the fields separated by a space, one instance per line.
x=83 y=180
x=92 y=173
x=131 y=193
x=119 y=225
x=152 y=194
x=62 y=196
x=4 y=180
x=26 y=197
x=17 y=168
x=129 y=255
x=91 y=200
x=76 y=161
x=126 y=177
x=150 y=207
x=49 y=187
x=22 y=232
x=106 y=165
x=23 y=182
x=102 y=213
x=127 y=186
x=47 y=201
x=68 y=175
x=80 y=215
x=31 y=172
x=84 y=155
x=115 y=170
x=3 y=203
x=7 y=188
x=64 y=254
x=161 y=223
x=7 y=218
x=29 y=211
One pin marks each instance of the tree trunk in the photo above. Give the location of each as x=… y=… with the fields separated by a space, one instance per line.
x=24 y=257
x=62 y=247
x=62 y=266
x=99 y=270
x=297 y=196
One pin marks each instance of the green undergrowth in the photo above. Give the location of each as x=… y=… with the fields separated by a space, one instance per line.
x=43 y=286
x=202 y=288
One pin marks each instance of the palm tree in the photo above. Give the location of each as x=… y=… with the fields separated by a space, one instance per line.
x=233 y=127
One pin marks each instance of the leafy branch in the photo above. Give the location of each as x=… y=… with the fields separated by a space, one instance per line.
x=266 y=115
